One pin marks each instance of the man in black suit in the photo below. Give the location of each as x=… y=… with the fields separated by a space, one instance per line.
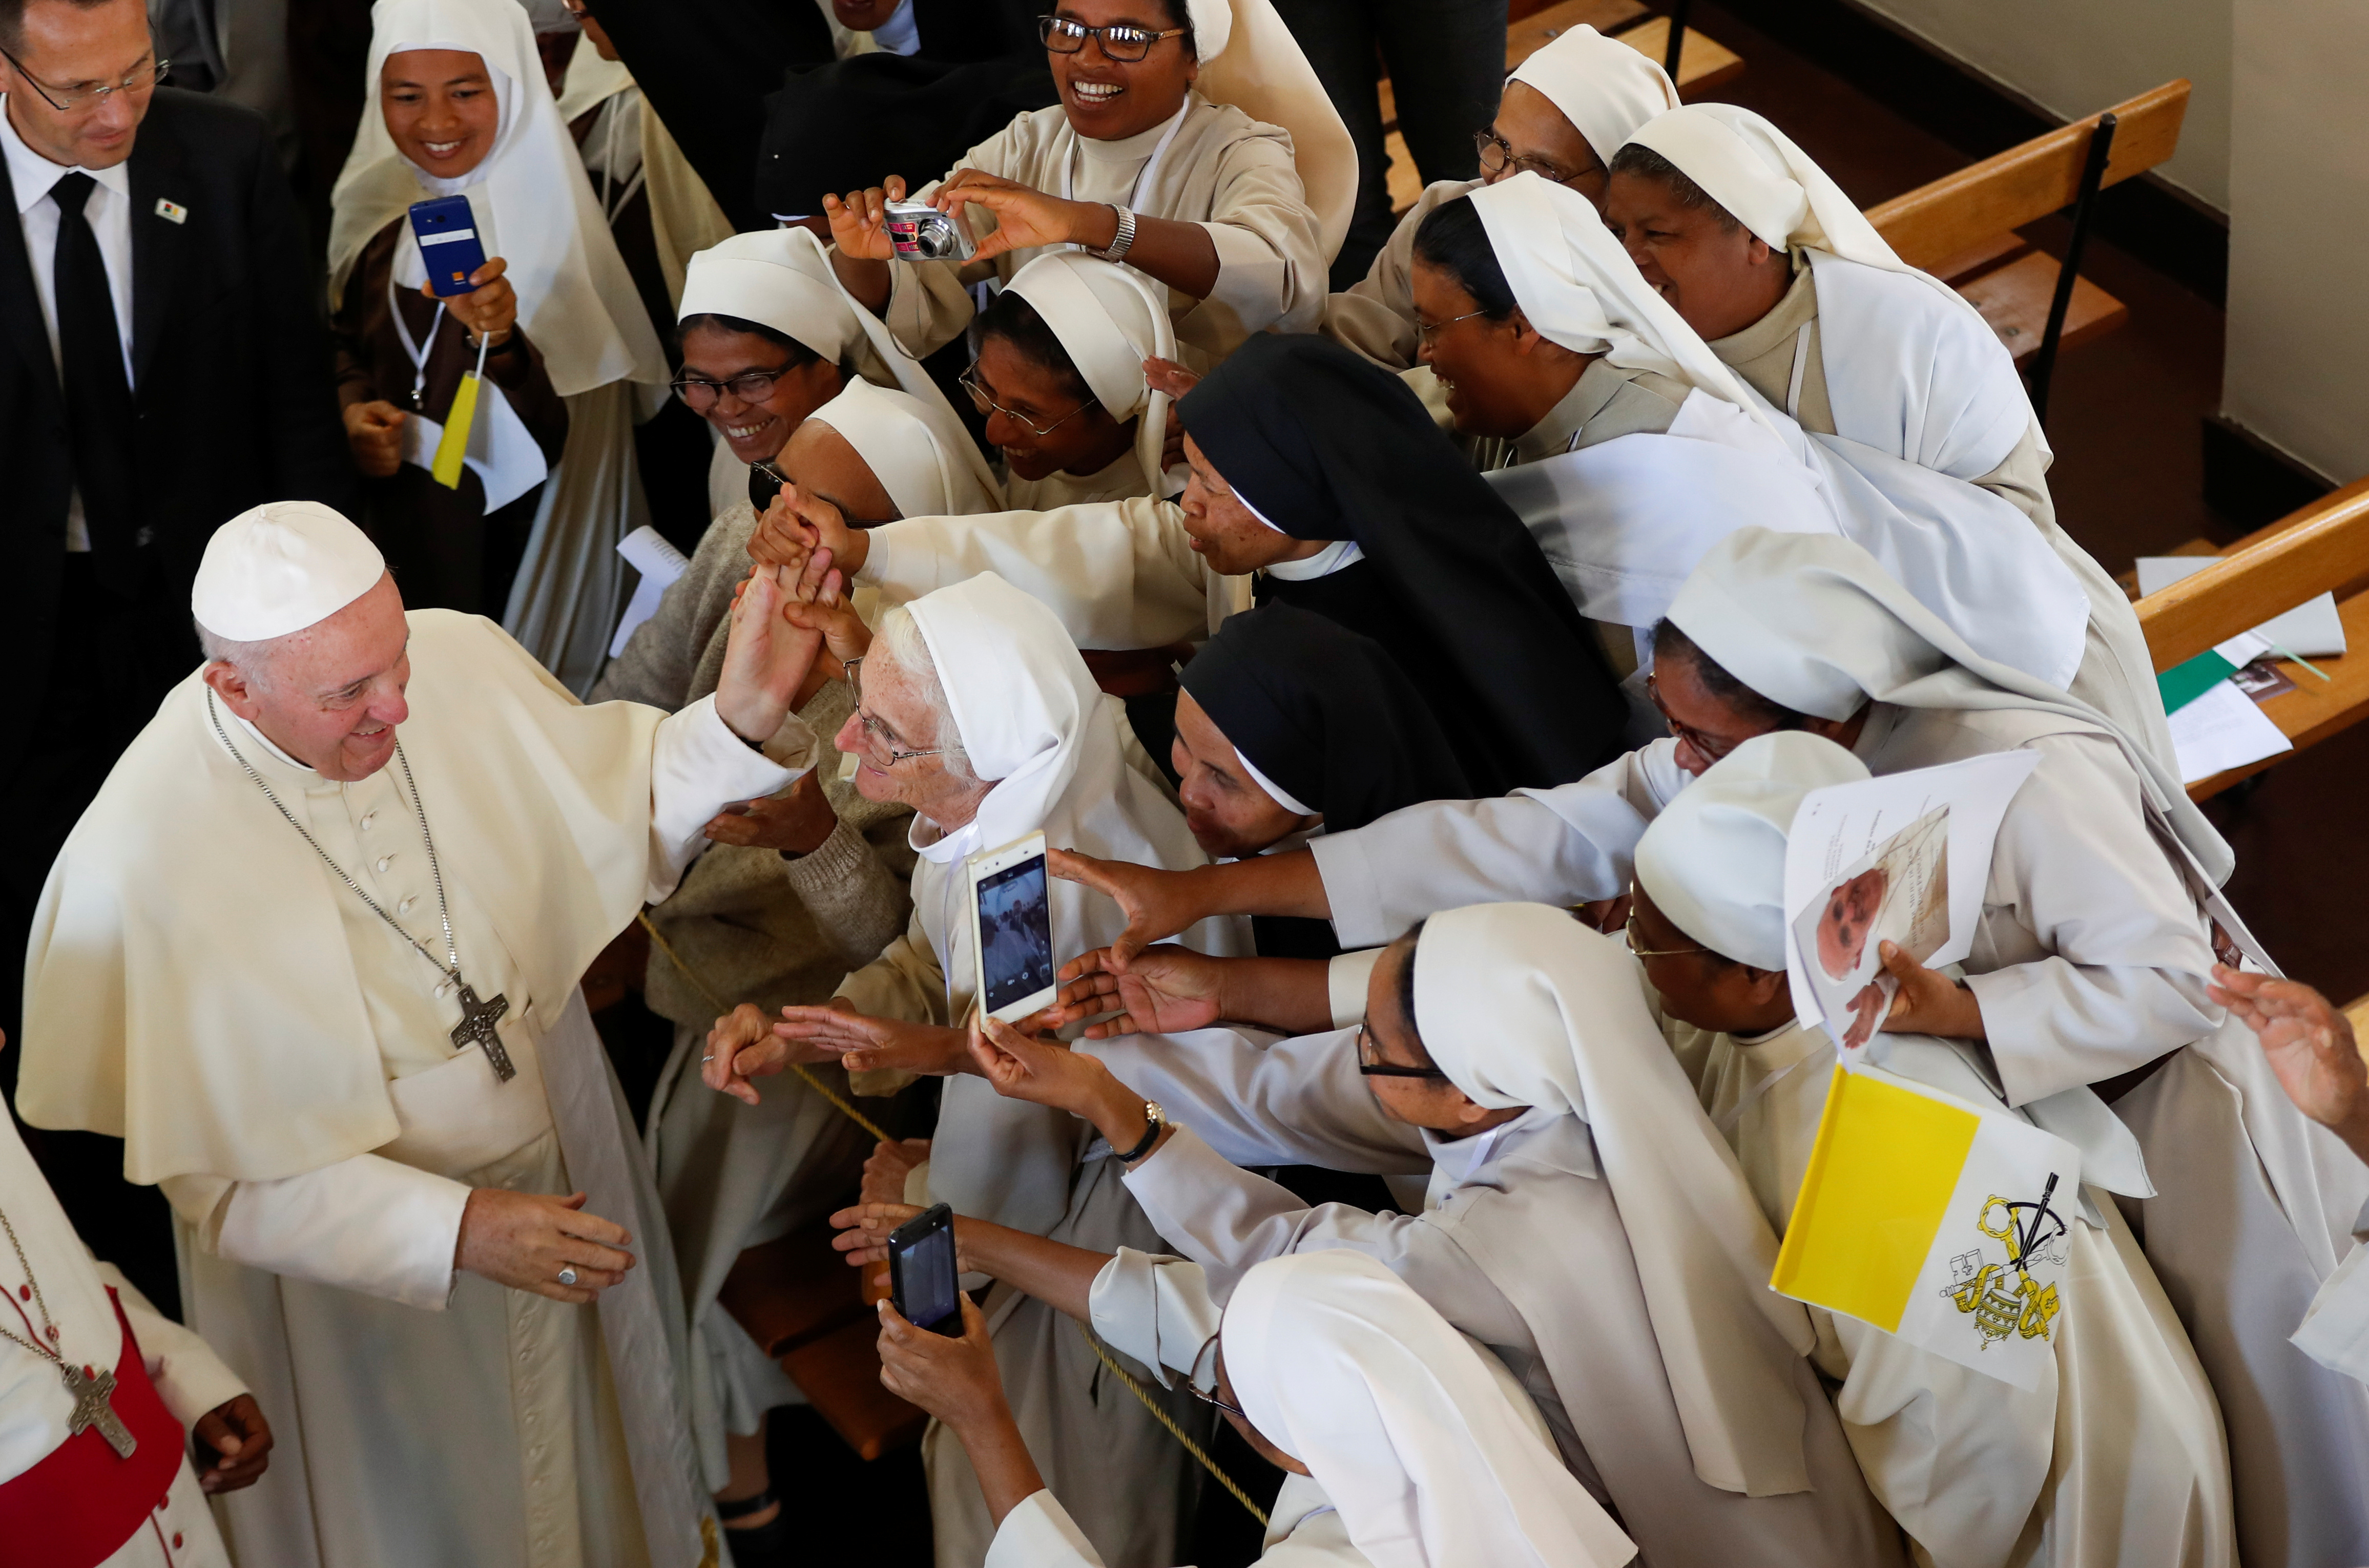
x=162 y=368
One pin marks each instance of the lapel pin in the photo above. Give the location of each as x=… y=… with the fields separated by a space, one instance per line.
x=172 y=211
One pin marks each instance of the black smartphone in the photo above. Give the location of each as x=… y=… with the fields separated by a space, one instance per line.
x=447 y=233
x=765 y=482
x=922 y=1274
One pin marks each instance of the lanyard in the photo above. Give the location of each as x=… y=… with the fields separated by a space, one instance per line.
x=402 y=334
x=1143 y=176
x=1734 y=1117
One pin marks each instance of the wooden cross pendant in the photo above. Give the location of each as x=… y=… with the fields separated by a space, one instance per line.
x=477 y=1028
x=91 y=1396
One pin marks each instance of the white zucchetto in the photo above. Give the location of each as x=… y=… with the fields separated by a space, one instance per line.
x=280 y=568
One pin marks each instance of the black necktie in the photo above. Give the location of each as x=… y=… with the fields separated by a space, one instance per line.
x=99 y=412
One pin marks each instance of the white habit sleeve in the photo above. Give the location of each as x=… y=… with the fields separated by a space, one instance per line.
x=1119 y=574
x=367 y=1224
x=1155 y=1308
x=1040 y=1534
x=1566 y=845
x=697 y=764
x=1229 y=1220
x=2335 y=1331
x=1296 y=1102
x=190 y=1378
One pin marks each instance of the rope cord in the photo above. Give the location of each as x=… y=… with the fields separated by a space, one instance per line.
x=1169 y=1421
x=723 y=1007
x=1126 y=1380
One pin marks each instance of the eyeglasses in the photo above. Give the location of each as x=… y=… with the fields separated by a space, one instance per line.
x=986 y=405
x=1424 y=331
x=1630 y=932
x=876 y=734
x=1387 y=1068
x=1208 y=1396
x=1497 y=155
x=139 y=80
x=699 y=394
x=1711 y=752
x=1063 y=36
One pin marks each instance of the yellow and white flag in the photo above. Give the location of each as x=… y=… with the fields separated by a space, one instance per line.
x=1935 y=1220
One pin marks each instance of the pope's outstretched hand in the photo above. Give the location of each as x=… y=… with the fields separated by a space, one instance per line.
x=765 y=657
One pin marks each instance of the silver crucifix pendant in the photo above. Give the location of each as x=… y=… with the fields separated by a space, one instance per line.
x=91 y=1397
x=477 y=1028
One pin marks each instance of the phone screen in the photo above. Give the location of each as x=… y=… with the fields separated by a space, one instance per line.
x=1015 y=933
x=924 y=1276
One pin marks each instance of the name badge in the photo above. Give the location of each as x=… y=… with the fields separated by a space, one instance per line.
x=172 y=211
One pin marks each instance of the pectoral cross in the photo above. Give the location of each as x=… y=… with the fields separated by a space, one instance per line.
x=477 y=1028
x=91 y=1395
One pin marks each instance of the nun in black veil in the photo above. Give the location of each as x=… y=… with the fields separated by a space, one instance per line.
x=1290 y=725
x=1426 y=560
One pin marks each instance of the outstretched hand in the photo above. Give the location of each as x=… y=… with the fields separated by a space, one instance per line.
x=1157 y=903
x=2311 y=1047
x=863 y=1044
x=1165 y=990
x=766 y=659
x=1042 y=1071
x=859 y=220
x=1025 y=217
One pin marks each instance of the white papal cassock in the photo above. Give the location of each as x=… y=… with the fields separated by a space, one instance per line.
x=280 y=1060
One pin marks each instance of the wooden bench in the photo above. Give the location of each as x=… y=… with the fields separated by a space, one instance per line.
x=1961 y=227
x=801 y=1304
x=2322 y=548
x=1704 y=65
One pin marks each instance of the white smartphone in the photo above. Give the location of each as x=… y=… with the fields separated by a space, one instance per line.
x=1011 y=929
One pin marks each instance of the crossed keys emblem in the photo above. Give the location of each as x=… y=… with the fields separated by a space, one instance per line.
x=2003 y=1299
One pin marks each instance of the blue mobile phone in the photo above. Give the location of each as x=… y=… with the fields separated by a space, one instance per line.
x=447 y=232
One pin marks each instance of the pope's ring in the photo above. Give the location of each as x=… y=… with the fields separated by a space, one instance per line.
x=567 y=1277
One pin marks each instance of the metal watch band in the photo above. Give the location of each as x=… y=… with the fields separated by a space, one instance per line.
x=1124 y=238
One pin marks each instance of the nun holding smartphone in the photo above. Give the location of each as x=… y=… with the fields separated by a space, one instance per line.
x=460 y=111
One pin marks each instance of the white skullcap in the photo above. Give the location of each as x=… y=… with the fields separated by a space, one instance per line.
x=1714 y=860
x=776 y=278
x=281 y=568
x=1767 y=184
x=1604 y=88
x=918 y=451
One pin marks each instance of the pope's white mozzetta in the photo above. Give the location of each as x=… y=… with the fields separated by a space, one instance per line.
x=323 y=980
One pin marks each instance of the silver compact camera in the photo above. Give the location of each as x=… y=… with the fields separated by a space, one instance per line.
x=922 y=233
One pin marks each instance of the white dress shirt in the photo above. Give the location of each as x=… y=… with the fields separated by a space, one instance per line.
x=108 y=212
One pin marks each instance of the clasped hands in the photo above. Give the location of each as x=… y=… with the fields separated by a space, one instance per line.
x=783 y=621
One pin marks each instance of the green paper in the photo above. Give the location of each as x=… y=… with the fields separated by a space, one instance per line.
x=2183 y=683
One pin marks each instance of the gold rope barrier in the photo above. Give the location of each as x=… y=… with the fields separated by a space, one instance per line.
x=1115 y=1371
x=1169 y=1421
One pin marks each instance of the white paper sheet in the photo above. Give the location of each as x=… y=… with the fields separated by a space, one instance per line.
x=659 y=563
x=1884 y=859
x=2223 y=728
x=2311 y=628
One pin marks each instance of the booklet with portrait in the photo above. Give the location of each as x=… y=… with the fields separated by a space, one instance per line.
x=1904 y=858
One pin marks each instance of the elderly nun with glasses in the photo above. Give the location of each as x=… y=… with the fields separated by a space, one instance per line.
x=973 y=708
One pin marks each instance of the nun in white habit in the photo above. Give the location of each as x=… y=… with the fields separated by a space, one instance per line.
x=534 y=208
x=1863 y=345
x=1109 y=319
x=1674 y=1382
x=780 y=279
x=1626 y=490
x=1405 y=1445
x=1236 y=138
x=2117 y=1458
x=1565 y=112
x=1034 y=746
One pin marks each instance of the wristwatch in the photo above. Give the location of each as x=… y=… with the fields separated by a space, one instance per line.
x=1124 y=238
x=1155 y=1120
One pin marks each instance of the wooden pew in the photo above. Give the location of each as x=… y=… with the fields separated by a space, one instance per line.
x=2322 y=548
x=1703 y=65
x=1961 y=227
x=801 y=1302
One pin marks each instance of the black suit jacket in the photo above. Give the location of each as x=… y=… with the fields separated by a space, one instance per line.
x=231 y=370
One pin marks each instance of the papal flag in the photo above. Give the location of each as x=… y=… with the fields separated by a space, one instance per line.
x=1939 y=1220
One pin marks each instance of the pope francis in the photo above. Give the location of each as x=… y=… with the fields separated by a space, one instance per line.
x=312 y=953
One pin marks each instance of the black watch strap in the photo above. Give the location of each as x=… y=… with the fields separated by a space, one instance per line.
x=1158 y=1120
